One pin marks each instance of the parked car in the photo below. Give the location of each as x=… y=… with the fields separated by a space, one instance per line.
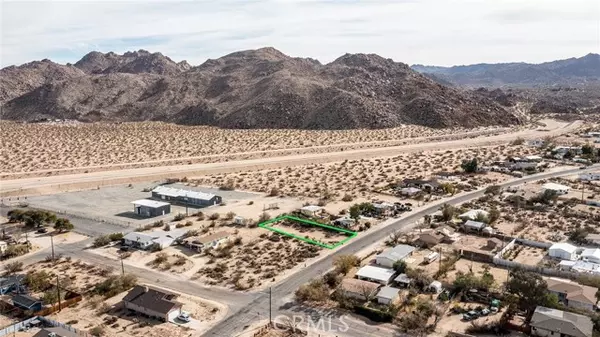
x=42 y=230
x=471 y=315
x=184 y=317
x=485 y=312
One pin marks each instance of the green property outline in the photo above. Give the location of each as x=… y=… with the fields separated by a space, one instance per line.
x=266 y=224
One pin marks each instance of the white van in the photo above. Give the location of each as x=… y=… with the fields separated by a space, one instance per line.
x=432 y=257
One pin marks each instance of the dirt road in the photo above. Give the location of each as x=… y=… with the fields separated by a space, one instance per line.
x=71 y=182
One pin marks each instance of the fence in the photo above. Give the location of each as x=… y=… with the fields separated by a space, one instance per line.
x=63 y=304
x=24 y=325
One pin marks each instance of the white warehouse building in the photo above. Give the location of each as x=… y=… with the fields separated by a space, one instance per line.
x=563 y=251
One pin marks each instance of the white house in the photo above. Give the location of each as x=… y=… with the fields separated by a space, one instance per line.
x=162 y=239
x=311 y=210
x=558 y=188
x=358 y=289
x=563 y=251
x=389 y=256
x=591 y=255
x=214 y=240
x=375 y=274
x=410 y=191
x=387 y=295
x=473 y=214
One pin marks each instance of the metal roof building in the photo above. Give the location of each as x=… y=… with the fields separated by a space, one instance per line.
x=375 y=274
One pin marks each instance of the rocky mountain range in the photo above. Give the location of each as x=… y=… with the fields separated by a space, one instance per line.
x=570 y=72
x=260 y=88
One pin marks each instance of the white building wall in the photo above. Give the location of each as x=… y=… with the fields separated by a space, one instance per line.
x=384 y=262
x=561 y=254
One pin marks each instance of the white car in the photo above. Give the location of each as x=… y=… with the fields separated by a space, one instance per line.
x=184 y=316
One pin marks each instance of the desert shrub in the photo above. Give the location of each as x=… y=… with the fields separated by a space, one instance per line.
x=158 y=223
x=16 y=250
x=179 y=217
x=314 y=291
x=13 y=267
x=115 y=284
x=180 y=261
x=160 y=258
x=116 y=236
x=344 y=263
x=167 y=227
x=229 y=216
x=228 y=186
x=97 y=331
x=214 y=216
x=101 y=241
x=347 y=197
x=189 y=224
x=264 y=217
x=38 y=281
x=274 y=192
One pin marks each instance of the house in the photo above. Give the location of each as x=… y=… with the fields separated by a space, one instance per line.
x=27 y=302
x=494 y=243
x=563 y=251
x=425 y=185
x=358 y=289
x=474 y=214
x=573 y=294
x=375 y=274
x=552 y=322
x=3 y=247
x=473 y=226
x=383 y=208
x=160 y=239
x=345 y=222
x=562 y=150
x=186 y=197
x=593 y=239
x=403 y=280
x=199 y=243
x=11 y=283
x=151 y=208
x=153 y=302
x=591 y=255
x=557 y=188
x=387 y=295
x=410 y=191
x=56 y=332
x=429 y=239
x=390 y=256
x=448 y=233
x=580 y=267
x=311 y=210
x=445 y=175
x=535 y=142
x=589 y=176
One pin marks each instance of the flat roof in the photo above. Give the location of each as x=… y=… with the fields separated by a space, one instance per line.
x=567 y=247
x=555 y=187
x=177 y=192
x=150 y=203
x=375 y=273
x=388 y=293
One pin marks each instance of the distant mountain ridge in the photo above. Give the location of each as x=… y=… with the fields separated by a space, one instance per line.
x=261 y=88
x=574 y=71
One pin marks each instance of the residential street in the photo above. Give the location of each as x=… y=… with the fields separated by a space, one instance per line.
x=246 y=308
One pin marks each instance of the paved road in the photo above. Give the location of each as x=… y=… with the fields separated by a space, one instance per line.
x=246 y=308
x=282 y=293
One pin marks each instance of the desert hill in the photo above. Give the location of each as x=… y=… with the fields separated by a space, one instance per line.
x=570 y=72
x=261 y=88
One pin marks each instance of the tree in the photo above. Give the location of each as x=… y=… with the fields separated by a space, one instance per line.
x=355 y=212
x=448 y=212
x=38 y=281
x=470 y=166
x=15 y=215
x=344 y=263
x=314 y=291
x=494 y=215
x=569 y=155
x=530 y=289
x=395 y=237
x=494 y=190
x=13 y=267
x=587 y=149
x=448 y=188
x=63 y=225
x=367 y=292
x=578 y=235
x=400 y=266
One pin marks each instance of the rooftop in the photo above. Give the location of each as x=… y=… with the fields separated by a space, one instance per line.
x=474 y=224
x=474 y=213
x=311 y=208
x=375 y=273
x=177 y=192
x=566 y=323
x=388 y=293
x=57 y=331
x=154 y=299
x=573 y=290
x=150 y=203
x=399 y=252
x=358 y=286
x=564 y=246
x=208 y=238
x=555 y=187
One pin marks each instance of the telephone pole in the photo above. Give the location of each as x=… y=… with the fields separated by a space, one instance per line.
x=122 y=266
x=52 y=243
x=58 y=291
x=270 y=306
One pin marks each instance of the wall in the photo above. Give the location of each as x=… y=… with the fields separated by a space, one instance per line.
x=144 y=311
x=12 y=329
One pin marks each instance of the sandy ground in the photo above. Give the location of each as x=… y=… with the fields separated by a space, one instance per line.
x=76 y=181
x=93 y=145
x=454 y=323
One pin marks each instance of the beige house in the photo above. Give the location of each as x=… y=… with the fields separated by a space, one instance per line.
x=198 y=243
x=358 y=289
x=573 y=294
x=547 y=322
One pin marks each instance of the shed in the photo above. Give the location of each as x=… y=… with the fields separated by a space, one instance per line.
x=358 y=289
x=375 y=274
x=476 y=226
x=558 y=188
x=403 y=280
x=436 y=287
x=389 y=256
x=151 y=208
x=239 y=220
x=186 y=197
x=563 y=251
x=591 y=255
x=410 y=191
x=387 y=295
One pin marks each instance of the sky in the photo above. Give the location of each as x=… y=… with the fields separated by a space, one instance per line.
x=431 y=32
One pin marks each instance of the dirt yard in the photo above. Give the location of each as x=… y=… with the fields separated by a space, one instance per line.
x=97 y=144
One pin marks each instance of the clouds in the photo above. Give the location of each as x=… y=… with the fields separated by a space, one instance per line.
x=414 y=31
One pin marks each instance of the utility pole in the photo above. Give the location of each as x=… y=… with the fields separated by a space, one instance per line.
x=52 y=243
x=270 y=306
x=58 y=291
x=122 y=266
